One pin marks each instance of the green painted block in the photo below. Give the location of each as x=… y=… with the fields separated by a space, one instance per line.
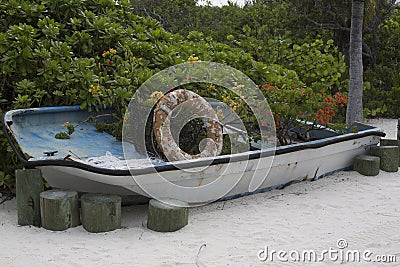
x=163 y=217
x=29 y=184
x=59 y=209
x=367 y=165
x=100 y=212
x=391 y=142
x=390 y=158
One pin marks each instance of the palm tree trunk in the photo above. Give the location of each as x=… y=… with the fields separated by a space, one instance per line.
x=355 y=105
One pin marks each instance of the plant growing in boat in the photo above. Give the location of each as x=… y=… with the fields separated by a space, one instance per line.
x=298 y=111
x=70 y=129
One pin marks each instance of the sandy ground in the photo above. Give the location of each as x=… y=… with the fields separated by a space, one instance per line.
x=363 y=211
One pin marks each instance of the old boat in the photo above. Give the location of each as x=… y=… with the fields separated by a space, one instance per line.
x=64 y=164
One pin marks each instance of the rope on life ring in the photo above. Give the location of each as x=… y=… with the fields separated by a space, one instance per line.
x=162 y=125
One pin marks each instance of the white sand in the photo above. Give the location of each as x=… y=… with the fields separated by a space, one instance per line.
x=306 y=216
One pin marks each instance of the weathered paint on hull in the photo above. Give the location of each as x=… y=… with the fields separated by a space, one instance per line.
x=286 y=168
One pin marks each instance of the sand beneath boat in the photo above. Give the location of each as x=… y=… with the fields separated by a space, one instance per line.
x=305 y=218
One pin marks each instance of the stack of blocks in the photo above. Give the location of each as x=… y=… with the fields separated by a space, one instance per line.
x=384 y=157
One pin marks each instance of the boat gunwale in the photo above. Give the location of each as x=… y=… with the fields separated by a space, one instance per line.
x=171 y=166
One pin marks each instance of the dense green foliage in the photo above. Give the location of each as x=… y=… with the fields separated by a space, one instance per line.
x=262 y=29
x=382 y=93
x=269 y=30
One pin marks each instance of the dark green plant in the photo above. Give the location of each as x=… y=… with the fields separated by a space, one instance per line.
x=70 y=129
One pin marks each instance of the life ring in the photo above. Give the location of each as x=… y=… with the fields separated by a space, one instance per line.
x=162 y=125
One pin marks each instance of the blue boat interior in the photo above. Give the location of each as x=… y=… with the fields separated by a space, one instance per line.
x=35 y=129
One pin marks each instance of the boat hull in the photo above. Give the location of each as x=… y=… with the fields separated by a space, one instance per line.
x=286 y=168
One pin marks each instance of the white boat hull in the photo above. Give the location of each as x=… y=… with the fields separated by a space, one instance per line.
x=286 y=168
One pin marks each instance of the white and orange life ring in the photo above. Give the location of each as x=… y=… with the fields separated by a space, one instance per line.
x=162 y=125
